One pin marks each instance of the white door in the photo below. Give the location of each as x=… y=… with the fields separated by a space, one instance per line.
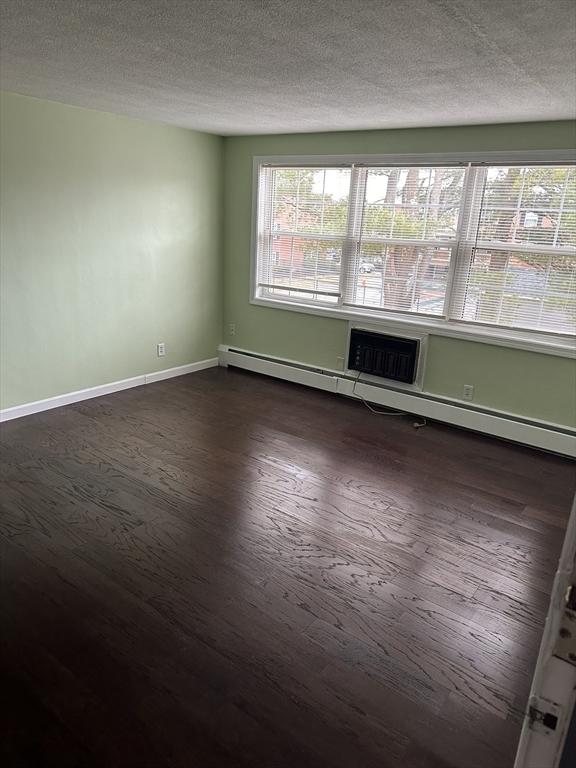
x=553 y=692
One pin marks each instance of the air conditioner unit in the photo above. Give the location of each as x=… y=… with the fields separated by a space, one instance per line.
x=397 y=359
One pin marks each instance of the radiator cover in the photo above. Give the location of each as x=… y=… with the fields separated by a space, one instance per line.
x=390 y=357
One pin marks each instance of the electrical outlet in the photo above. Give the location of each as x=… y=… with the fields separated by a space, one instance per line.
x=161 y=349
x=340 y=363
x=468 y=392
x=232 y=329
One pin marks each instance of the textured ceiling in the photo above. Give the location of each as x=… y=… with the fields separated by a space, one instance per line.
x=270 y=66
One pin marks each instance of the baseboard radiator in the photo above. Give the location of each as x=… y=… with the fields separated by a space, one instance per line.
x=537 y=434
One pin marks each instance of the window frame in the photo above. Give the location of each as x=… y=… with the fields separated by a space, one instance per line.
x=548 y=342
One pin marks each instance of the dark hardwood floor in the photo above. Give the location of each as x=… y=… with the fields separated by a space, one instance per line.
x=227 y=570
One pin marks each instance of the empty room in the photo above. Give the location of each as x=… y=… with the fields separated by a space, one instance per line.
x=288 y=383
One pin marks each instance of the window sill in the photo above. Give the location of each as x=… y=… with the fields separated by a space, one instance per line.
x=561 y=347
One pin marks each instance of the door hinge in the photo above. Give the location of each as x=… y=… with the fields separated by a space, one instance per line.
x=543 y=715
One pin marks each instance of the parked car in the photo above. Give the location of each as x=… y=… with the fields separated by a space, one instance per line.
x=333 y=254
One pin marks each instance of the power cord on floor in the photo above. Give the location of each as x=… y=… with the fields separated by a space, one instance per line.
x=388 y=412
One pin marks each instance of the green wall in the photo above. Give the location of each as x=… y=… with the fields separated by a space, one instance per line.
x=526 y=383
x=110 y=244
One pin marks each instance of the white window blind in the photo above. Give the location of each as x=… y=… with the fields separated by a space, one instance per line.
x=477 y=244
x=301 y=230
x=407 y=232
x=517 y=265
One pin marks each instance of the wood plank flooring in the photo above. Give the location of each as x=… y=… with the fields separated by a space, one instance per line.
x=227 y=570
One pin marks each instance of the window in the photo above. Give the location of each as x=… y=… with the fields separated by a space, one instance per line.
x=304 y=215
x=407 y=232
x=491 y=245
x=517 y=265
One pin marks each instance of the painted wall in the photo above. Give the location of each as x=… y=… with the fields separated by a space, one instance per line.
x=526 y=383
x=110 y=243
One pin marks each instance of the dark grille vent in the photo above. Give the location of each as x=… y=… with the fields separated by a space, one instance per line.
x=390 y=357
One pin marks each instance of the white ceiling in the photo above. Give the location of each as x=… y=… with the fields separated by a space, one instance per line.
x=271 y=66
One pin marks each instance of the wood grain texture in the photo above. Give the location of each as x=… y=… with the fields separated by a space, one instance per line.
x=227 y=570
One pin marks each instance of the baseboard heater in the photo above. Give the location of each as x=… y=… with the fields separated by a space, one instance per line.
x=549 y=437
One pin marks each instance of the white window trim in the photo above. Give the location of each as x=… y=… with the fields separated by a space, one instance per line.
x=534 y=341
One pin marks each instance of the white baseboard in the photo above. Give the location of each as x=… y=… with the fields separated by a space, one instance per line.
x=37 y=406
x=508 y=426
x=181 y=370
